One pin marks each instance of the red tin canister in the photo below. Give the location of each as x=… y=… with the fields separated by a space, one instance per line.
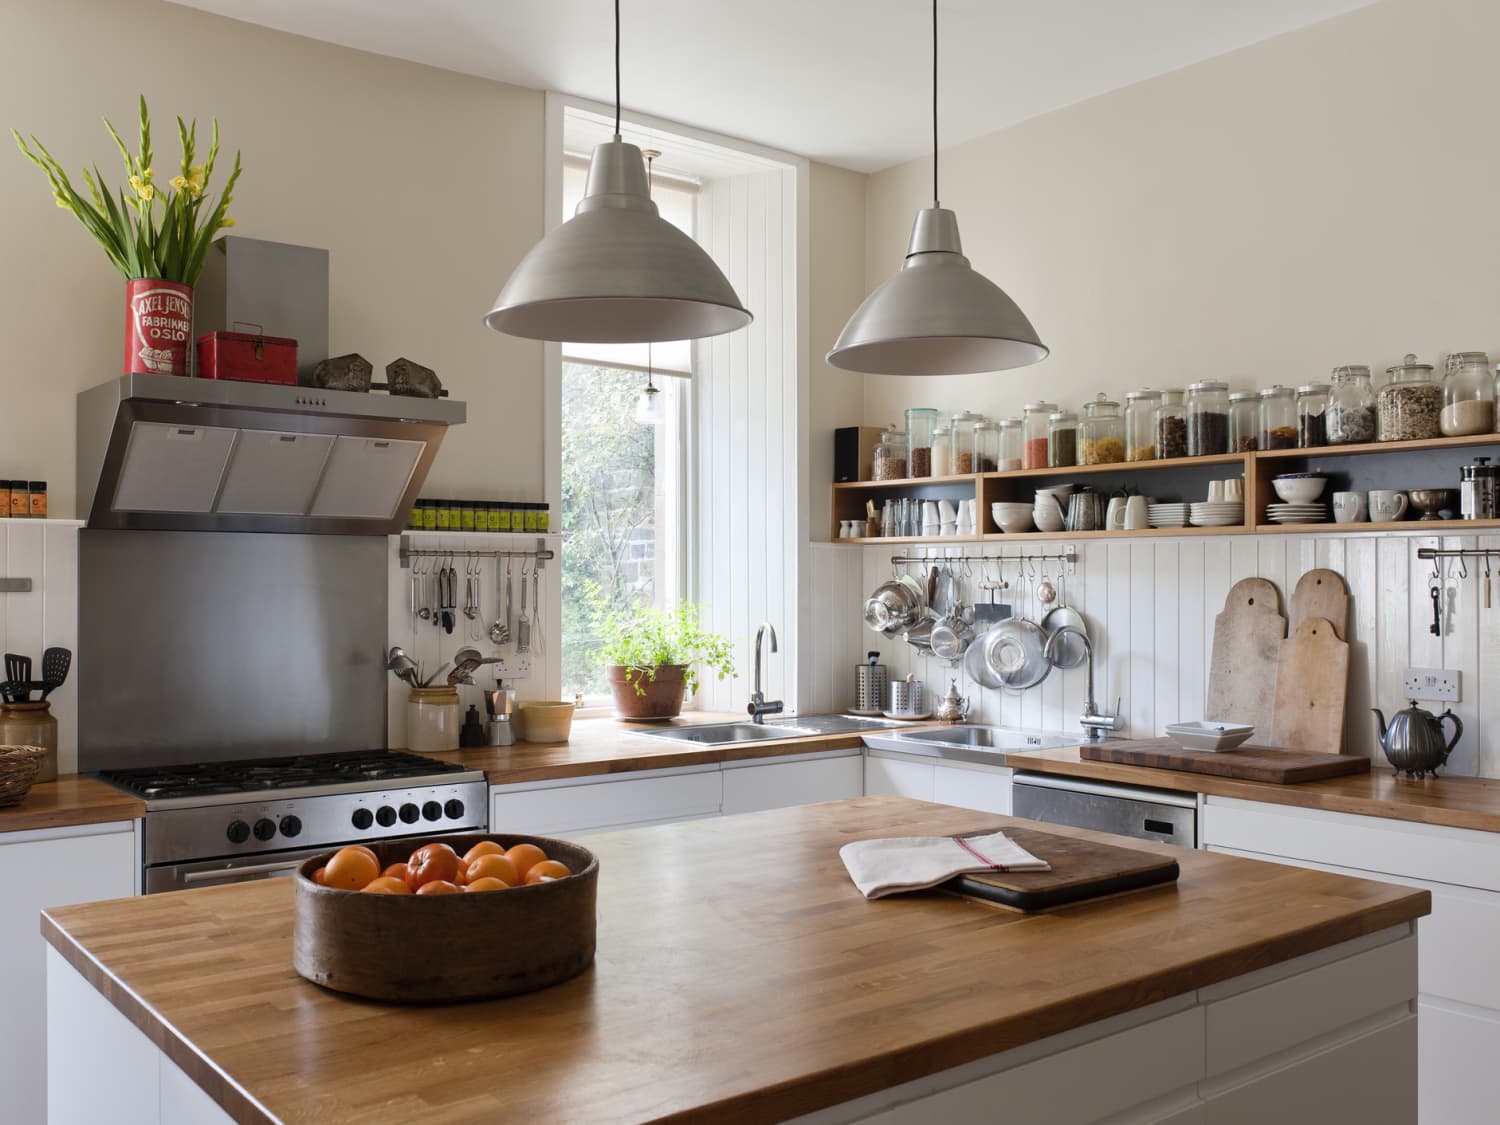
x=250 y=357
x=158 y=326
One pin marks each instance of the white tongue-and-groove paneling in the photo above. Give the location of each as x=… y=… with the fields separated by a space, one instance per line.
x=46 y=551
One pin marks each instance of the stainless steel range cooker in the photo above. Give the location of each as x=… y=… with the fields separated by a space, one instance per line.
x=226 y=822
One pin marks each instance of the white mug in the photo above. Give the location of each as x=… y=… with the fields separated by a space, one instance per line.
x=1386 y=505
x=1234 y=490
x=1136 y=515
x=1215 y=492
x=930 y=520
x=1350 y=507
x=1114 y=516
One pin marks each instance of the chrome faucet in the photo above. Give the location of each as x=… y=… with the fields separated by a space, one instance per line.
x=759 y=708
x=1097 y=725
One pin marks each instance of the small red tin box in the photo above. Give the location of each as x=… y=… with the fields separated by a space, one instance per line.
x=249 y=357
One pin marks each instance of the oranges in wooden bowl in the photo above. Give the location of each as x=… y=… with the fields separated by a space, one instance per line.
x=457 y=918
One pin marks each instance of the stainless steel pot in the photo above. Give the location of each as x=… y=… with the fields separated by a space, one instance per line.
x=895 y=605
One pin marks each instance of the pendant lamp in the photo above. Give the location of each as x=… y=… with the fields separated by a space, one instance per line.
x=617 y=272
x=937 y=316
x=650 y=409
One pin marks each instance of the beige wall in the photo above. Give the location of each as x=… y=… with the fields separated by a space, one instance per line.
x=426 y=187
x=1325 y=197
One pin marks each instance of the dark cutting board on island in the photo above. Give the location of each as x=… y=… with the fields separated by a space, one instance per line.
x=1252 y=763
x=1081 y=869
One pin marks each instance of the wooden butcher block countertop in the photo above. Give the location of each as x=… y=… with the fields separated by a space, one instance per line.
x=740 y=977
x=70 y=801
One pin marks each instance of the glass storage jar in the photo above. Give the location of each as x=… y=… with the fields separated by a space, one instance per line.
x=890 y=455
x=1208 y=418
x=1409 y=405
x=1244 y=421
x=986 y=446
x=920 y=422
x=1140 y=424
x=1062 y=439
x=1010 y=445
x=31 y=724
x=1035 y=422
x=1312 y=415
x=1351 y=406
x=1278 y=418
x=963 y=441
x=1171 y=425
x=1468 y=395
x=942 y=451
x=1101 y=434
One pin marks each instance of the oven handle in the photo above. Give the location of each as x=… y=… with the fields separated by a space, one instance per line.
x=1106 y=789
x=231 y=872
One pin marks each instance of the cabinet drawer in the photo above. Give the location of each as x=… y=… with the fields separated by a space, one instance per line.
x=605 y=804
x=987 y=790
x=897 y=777
x=779 y=785
x=1456 y=1049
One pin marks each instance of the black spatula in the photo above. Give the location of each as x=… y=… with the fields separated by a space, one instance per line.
x=55 y=665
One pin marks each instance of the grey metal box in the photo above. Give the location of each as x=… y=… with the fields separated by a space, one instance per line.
x=282 y=288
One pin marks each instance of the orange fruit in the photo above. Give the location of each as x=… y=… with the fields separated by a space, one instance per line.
x=484 y=847
x=495 y=867
x=320 y=876
x=351 y=868
x=431 y=863
x=524 y=856
x=396 y=871
x=487 y=883
x=547 y=869
x=369 y=852
x=386 y=885
x=439 y=887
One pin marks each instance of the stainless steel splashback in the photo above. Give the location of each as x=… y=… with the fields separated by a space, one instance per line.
x=211 y=646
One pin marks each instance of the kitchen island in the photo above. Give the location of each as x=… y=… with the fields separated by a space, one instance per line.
x=740 y=977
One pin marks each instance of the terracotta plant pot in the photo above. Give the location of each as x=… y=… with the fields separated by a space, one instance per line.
x=664 y=693
x=158 y=326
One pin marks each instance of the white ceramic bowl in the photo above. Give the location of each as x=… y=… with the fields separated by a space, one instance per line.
x=1210 y=736
x=1299 y=490
x=1014 y=525
x=1012 y=517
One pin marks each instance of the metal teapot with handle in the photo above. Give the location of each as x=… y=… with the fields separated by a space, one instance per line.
x=1087 y=510
x=953 y=707
x=1413 y=742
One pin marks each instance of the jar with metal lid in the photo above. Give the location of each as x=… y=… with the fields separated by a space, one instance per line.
x=1208 y=418
x=1479 y=490
x=1351 y=406
x=432 y=719
x=963 y=441
x=1468 y=395
x=1244 y=421
x=920 y=422
x=942 y=452
x=1171 y=426
x=986 y=446
x=890 y=455
x=1409 y=406
x=1035 y=422
x=1140 y=424
x=1010 y=445
x=1062 y=439
x=1278 y=418
x=1101 y=434
x=1312 y=415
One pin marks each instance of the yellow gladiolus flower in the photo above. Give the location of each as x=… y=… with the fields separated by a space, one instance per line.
x=178 y=182
x=62 y=201
x=195 y=177
x=228 y=221
x=149 y=174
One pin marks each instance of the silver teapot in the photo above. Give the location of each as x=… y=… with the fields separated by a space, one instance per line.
x=953 y=708
x=1413 y=742
x=1087 y=510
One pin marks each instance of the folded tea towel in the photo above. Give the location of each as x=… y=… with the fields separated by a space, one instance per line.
x=914 y=863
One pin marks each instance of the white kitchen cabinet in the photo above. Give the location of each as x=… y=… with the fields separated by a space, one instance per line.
x=966 y=785
x=802 y=779
x=574 y=806
x=891 y=775
x=46 y=867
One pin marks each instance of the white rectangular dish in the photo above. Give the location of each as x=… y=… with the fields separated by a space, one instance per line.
x=1206 y=735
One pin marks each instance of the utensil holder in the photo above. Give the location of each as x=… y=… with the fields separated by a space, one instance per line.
x=907 y=697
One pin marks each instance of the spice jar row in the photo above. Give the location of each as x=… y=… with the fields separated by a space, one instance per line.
x=932 y=446
x=23 y=499
x=480 y=515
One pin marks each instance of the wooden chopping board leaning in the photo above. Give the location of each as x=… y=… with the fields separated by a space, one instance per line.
x=1246 y=649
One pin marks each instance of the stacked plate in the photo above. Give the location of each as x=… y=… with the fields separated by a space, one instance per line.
x=1217 y=513
x=1297 y=513
x=1167 y=515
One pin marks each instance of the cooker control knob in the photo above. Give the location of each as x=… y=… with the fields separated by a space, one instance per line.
x=385 y=815
x=291 y=825
x=238 y=832
x=363 y=818
x=432 y=810
x=264 y=829
x=454 y=809
x=410 y=813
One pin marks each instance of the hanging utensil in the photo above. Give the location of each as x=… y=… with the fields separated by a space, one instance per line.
x=55 y=665
x=1068 y=652
x=450 y=597
x=976 y=666
x=537 y=642
x=523 y=627
x=1016 y=653
x=500 y=630
x=18 y=672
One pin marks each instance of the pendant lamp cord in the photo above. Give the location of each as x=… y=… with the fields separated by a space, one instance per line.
x=617 y=68
x=934 y=105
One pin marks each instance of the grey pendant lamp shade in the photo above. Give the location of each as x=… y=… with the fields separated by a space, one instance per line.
x=617 y=272
x=937 y=316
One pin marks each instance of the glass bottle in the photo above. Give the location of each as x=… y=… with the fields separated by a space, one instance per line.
x=942 y=452
x=1010 y=445
x=890 y=455
x=1101 y=434
x=1409 y=405
x=1171 y=426
x=1140 y=424
x=1351 y=406
x=986 y=446
x=1312 y=415
x=963 y=441
x=1278 y=418
x=1244 y=422
x=920 y=422
x=1208 y=418
x=1062 y=439
x=1035 y=422
x=1468 y=395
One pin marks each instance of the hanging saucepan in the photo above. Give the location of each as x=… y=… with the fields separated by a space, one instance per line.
x=895 y=605
x=952 y=633
x=975 y=665
x=1069 y=652
x=1015 y=652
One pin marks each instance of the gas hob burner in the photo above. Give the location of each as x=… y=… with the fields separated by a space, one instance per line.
x=260 y=775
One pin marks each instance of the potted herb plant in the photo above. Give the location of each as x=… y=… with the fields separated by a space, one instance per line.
x=652 y=657
x=157 y=236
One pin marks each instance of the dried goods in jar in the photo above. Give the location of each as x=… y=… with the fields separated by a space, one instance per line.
x=1279 y=437
x=1208 y=433
x=921 y=462
x=1142 y=453
x=1409 y=411
x=1034 y=455
x=1171 y=436
x=1348 y=425
x=1101 y=451
x=1468 y=416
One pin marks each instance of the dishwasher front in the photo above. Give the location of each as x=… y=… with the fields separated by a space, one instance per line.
x=1125 y=810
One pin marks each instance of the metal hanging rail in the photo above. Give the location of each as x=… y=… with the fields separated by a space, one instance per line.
x=1068 y=554
x=1458 y=552
x=542 y=553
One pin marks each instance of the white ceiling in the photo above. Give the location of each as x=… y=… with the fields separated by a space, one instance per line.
x=842 y=81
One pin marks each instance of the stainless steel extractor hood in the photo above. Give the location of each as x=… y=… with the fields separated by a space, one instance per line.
x=162 y=452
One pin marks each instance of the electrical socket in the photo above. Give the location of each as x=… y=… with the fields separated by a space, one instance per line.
x=512 y=666
x=1432 y=683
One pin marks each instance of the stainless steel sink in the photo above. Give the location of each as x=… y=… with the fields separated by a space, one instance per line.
x=970 y=743
x=727 y=734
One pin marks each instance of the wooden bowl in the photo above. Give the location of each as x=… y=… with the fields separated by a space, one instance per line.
x=433 y=948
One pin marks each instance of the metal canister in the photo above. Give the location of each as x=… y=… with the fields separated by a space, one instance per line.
x=907 y=698
x=870 y=686
x=1479 y=490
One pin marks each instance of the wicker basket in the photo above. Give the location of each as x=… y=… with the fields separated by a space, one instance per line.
x=18 y=766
